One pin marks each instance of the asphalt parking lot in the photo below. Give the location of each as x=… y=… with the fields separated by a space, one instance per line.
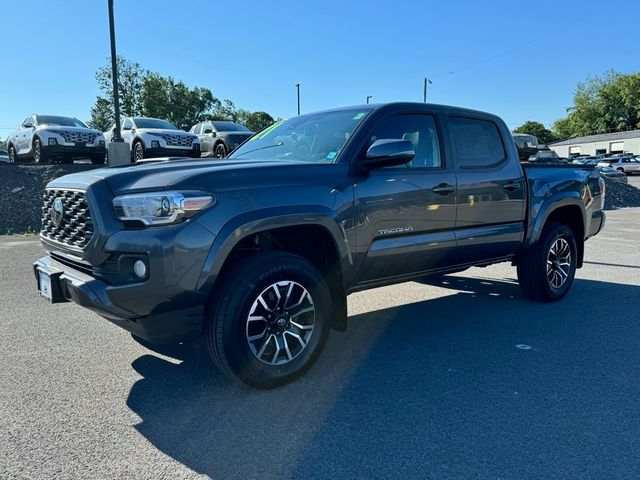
x=455 y=377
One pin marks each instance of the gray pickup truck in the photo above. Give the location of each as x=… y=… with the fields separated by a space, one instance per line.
x=259 y=251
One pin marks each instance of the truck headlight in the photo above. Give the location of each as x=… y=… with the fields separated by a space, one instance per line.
x=160 y=208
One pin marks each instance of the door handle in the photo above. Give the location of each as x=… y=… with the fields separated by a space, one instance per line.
x=511 y=186
x=444 y=189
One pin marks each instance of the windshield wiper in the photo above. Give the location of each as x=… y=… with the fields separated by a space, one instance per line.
x=279 y=144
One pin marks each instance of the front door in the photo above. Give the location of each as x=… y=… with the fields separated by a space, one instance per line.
x=406 y=215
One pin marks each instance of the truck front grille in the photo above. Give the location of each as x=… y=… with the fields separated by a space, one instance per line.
x=74 y=226
x=178 y=140
x=78 y=137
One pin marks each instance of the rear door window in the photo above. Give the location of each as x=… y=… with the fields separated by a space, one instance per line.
x=478 y=143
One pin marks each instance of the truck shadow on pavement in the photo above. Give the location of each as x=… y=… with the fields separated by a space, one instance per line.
x=477 y=383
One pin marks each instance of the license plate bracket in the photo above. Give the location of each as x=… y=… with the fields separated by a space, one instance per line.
x=49 y=285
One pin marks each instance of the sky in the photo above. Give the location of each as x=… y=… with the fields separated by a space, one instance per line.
x=519 y=61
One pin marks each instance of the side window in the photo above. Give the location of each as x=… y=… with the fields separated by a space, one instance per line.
x=197 y=129
x=128 y=124
x=25 y=121
x=478 y=142
x=420 y=130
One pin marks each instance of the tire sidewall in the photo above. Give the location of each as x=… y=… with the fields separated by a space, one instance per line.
x=13 y=158
x=554 y=233
x=40 y=158
x=235 y=310
x=222 y=148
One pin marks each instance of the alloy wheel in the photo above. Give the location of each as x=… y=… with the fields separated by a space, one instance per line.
x=558 y=263
x=138 y=153
x=280 y=322
x=220 y=151
x=12 y=154
x=37 y=151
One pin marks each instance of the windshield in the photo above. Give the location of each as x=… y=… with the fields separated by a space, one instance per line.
x=55 y=121
x=230 y=127
x=154 y=123
x=317 y=137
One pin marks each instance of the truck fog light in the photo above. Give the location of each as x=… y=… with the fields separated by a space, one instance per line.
x=140 y=269
x=101 y=143
x=155 y=144
x=53 y=141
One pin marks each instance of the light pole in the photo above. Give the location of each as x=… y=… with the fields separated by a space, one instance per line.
x=298 y=88
x=424 y=99
x=369 y=97
x=114 y=74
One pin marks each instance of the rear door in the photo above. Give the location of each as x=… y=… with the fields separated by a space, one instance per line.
x=491 y=189
x=406 y=214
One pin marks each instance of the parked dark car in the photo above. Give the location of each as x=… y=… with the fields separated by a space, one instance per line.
x=219 y=138
x=613 y=174
x=259 y=251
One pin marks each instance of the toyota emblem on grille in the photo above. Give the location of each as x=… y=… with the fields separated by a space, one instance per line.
x=57 y=211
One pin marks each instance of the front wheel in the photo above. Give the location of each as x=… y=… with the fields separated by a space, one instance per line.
x=270 y=320
x=12 y=154
x=220 y=151
x=547 y=270
x=137 y=152
x=39 y=155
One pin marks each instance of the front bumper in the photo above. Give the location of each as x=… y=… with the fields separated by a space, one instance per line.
x=172 y=152
x=164 y=307
x=74 y=150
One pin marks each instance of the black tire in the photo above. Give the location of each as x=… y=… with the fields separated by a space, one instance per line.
x=220 y=150
x=38 y=153
x=228 y=330
x=137 y=151
x=533 y=274
x=622 y=170
x=98 y=159
x=13 y=156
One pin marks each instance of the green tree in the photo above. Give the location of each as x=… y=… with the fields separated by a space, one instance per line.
x=536 y=128
x=131 y=77
x=256 y=121
x=102 y=117
x=602 y=104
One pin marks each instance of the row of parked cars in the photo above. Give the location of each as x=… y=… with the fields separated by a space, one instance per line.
x=43 y=138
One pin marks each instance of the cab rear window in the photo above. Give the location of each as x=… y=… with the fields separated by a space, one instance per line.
x=478 y=143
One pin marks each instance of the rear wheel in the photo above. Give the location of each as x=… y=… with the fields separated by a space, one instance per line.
x=270 y=320
x=621 y=170
x=547 y=270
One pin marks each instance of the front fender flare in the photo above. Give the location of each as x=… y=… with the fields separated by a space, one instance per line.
x=258 y=221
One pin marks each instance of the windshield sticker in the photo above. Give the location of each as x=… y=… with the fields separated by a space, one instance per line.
x=331 y=155
x=359 y=115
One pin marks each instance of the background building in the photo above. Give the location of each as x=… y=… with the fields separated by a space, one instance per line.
x=606 y=143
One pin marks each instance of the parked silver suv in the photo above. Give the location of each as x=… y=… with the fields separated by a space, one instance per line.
x=153 y=137
x=625 y=164
x=48 y=137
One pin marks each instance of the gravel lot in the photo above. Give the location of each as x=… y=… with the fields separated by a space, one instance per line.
x=457 y=377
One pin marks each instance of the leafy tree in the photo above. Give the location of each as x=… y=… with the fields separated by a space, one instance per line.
x=148 y=93
x=256 y=121
x=102 y=116
x=536 y=128
x=603 y=104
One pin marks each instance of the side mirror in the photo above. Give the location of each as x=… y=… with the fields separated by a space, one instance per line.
x=387 y=153
x=207 y=130
x=126 y=127
x=27 y=125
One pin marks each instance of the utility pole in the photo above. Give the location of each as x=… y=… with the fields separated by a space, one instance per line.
x=298 y=88
x=117 y=150
x=368 y=97
x=114 y=74
x=424 y=99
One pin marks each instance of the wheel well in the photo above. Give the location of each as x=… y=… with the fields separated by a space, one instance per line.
x=571 y=216
x=312 y=242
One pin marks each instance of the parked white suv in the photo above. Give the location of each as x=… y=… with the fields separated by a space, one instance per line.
x=625 y=164
x=47 y=137
x=153 y=137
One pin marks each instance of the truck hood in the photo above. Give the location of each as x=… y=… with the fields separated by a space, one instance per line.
x=54 y=128
x=213 y=175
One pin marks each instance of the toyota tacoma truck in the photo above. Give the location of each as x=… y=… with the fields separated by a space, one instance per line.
x=258 y=252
